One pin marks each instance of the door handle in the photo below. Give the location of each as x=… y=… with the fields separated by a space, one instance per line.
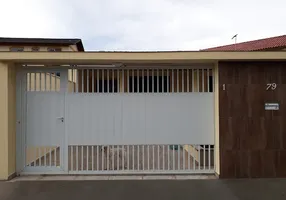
x=61 y=118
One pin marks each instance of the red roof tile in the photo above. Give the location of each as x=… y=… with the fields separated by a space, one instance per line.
x=255 y=45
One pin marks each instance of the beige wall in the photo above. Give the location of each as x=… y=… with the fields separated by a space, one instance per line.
x=7 y=120
x=216 y=101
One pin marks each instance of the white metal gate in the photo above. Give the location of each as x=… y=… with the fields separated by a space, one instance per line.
x=117 y=120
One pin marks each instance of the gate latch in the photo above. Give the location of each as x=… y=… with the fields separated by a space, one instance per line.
x=61 y=118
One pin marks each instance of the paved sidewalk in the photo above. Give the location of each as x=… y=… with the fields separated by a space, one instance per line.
x=261 y=189
x=118 y=177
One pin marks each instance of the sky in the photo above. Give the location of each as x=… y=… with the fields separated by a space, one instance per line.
x=144 y=24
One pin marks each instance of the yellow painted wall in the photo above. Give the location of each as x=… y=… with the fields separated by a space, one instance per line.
x=7 y=120
x=12 y=119
x=216 y=101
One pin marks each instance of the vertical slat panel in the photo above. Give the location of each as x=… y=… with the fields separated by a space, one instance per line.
x=128 y=154
x=118 y=81
x=178 y=81
x=97 y=157
x=92 y=158
x=137 y=80
x=118 y=157
x=148 y=157
x=50 y=155
x=35 y=82
x=82 y=81
x=209 y=152
x=173 y=80
x=193 y=81
x=183 y=80
x=45 y=156
x=77 y=160
x=55 y=155
x=162 y=77
x=77 y=81
x=123 y=81
x=203 y=80
x=87 y=80
x=107 y=77
x=179 y=158
x=204 y=156
x=133 y=80
x=153 y=83
x=153 y=157
x=184 y=159
x=173 y=149
x=138 y=157
x=199 y=149
x=102 y=158
x=102 y=80
x=45 y=81
x=143 y=156
x=81 y=158
x=143 y=81
x=112 y=76
x=128 y=85
x=163 y=157
x=87 y=157
x=56 y=89
x=158 y=80
x=71 y=158
x=122 y=148
x=198 y=80
x=133 y=160
x=189 y=164
x=40 y=156
x=113 y=150
x=194 y=160
x=40 y=81
x=158 y=157
x=148 y=81
x=50 y=88
x=208 y=79
x=107 y=157
x=168 y=149
x=188 y=80
x=168 y=81
x=97 y=85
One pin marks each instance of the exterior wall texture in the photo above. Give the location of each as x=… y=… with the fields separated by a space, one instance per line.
x=7 y=120
x=252 y=139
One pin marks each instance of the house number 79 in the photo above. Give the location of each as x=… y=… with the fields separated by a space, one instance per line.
x=271 y=86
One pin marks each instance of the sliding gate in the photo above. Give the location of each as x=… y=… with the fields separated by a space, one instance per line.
x=116 y=121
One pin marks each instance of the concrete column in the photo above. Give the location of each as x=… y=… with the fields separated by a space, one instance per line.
x=7 y=120
x=216 y=101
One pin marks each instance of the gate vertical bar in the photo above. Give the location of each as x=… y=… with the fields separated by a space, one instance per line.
x=92 y=82
x=188 y=80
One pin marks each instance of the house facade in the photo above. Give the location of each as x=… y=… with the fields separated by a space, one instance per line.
x=68 y=112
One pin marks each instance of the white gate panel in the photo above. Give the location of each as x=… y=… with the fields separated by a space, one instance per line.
x=44 y=124
x=177 y=118
x=133 y=119
x=140 y=119
x=93 y=119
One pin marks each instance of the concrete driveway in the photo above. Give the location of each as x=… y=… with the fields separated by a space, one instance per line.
x=266 y=189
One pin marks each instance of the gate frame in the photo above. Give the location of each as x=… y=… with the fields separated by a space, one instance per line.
x=21 y=124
